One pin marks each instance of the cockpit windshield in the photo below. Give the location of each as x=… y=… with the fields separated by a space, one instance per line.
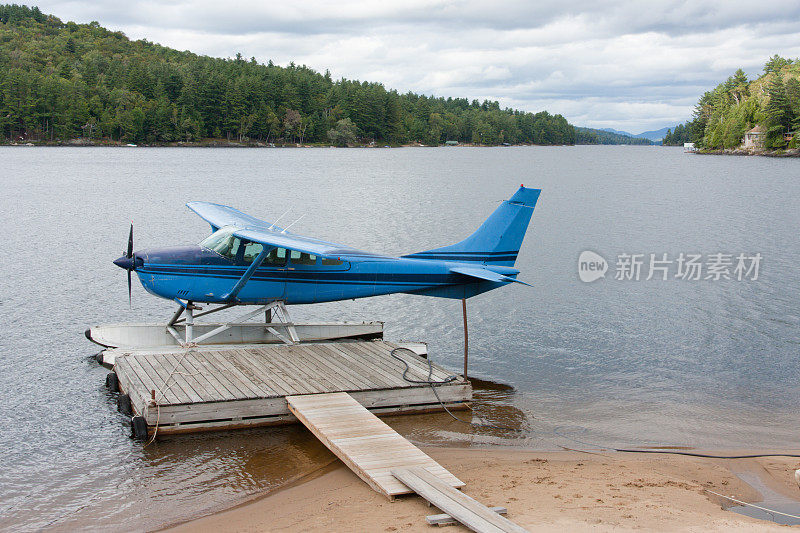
x=223 y=242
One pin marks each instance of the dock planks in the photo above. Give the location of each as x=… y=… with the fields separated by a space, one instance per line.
x=241 y=386
x=363 y=442
x=458 y=505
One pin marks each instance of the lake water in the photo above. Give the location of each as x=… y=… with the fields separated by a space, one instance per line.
x=705 y=364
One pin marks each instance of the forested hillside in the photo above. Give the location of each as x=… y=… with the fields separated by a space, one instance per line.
x=593 y=136
x=62 y=81
x=724 y=114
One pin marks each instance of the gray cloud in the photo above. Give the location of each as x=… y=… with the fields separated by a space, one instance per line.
x=628 y=65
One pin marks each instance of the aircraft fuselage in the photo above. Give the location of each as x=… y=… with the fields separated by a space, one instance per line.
x=201 y=275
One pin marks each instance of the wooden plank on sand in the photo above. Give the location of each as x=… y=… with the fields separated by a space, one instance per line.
x=368 y=446
x=445 y=519
x=466 y=510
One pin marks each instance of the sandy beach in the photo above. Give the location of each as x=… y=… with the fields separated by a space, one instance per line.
x=543 y=491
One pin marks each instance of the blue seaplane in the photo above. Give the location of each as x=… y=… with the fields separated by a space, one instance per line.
x=247 y=261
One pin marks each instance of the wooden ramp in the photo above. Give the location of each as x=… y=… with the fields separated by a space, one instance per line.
x=461 y=507
x=363 y=442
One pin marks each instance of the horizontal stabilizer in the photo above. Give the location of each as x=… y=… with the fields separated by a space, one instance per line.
x=486 y=275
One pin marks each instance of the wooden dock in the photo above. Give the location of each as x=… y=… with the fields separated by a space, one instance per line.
x=225 y=387
x=363 y=442
x=333 y=388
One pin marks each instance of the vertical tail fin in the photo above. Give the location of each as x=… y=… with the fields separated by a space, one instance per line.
x=498 y=240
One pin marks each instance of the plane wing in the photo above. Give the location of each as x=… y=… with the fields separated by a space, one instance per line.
x=255 y=230
x=486 y=274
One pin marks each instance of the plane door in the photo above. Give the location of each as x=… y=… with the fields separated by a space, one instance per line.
x=275 y=269
x=269 y=280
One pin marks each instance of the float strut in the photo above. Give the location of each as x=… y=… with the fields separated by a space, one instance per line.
x=466 y=335
x=189 y=322
x=175 y=317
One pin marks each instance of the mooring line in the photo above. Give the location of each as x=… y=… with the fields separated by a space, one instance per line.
x=751 y=504
x=162 y=392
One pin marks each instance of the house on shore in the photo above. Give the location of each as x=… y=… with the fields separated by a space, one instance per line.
x=754 y=139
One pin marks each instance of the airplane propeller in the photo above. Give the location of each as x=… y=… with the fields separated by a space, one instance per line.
x=129 y=255
x=128 y=261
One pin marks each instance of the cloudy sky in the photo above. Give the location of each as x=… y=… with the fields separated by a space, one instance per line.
x=631 y=65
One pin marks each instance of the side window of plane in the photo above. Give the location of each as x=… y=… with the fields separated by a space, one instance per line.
x=251 y=251
x=302 y=258
x=276 y=257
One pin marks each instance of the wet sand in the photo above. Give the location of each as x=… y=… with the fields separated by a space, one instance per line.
x=543 y=491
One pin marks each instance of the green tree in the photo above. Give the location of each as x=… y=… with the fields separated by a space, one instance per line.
x=343 y=134
x=777 y=113
x=776 y=64
x=793 y=96
x=292 y=124
x=739 y=86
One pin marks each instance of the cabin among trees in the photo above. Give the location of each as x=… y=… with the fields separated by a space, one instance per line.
x=754 y=139
x=759 y=114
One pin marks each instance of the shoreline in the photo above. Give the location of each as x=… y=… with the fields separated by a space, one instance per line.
x=222 y=143
x=219 y=143
x=543 y=491
x=792 y=152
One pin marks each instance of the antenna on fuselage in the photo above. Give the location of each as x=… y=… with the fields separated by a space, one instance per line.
x=293 y=223
x=280 y=217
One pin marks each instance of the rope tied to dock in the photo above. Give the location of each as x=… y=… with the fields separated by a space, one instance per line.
x=163 y=390
x=433 y=385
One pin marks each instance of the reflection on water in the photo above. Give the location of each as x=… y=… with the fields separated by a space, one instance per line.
x=179 y=477
x=492 y=418
x=696 y=364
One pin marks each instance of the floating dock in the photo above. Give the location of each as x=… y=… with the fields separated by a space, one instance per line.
x=224 y=387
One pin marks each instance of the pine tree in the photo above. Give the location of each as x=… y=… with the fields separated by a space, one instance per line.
x=776 y=64
x=793 y=95
x=740 y=88
x=778 y=113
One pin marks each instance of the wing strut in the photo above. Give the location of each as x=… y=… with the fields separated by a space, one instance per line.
x=247 y=274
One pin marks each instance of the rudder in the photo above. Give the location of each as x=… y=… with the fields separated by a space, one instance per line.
x=498 y=239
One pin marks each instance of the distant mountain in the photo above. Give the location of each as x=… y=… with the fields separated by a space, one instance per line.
x=654 y=135
x=605 y=136
x=618 y=132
